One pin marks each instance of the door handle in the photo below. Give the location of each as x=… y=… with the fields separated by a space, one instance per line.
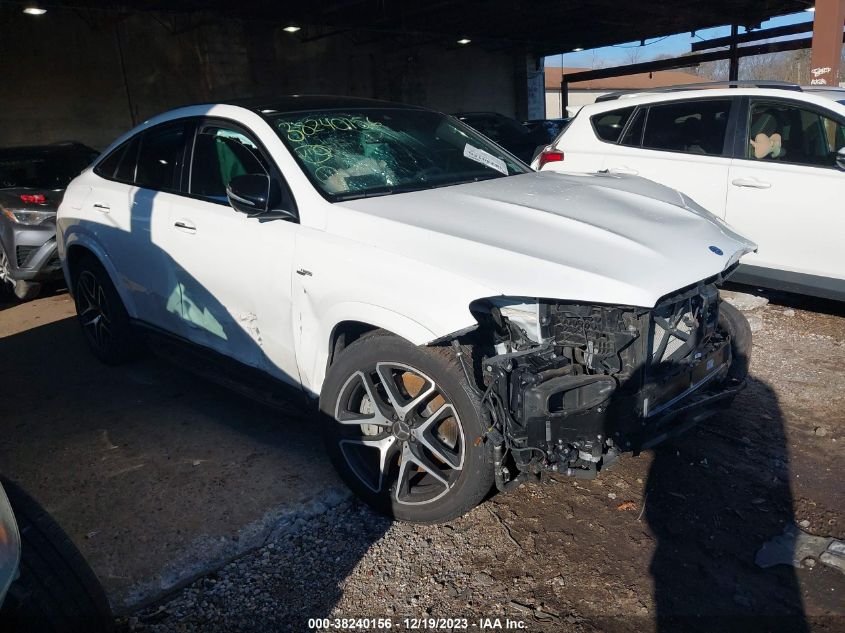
x=185 y=227
x=750 y=182
x=102 y=208
x=623 y=171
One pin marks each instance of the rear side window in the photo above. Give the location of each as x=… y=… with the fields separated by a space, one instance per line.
x=609 y=125
x=160 y=157
x=633 y=136
x=125 y=171
x=690 y=127
x=120 y=164
x=108 y=165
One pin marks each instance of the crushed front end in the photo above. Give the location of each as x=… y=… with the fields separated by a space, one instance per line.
x=575 y=385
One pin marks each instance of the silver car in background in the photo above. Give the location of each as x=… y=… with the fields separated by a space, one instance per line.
x=32 y=183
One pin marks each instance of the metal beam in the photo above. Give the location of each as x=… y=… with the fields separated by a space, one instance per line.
x=753 y=36
x=689 y=60
x=733 y=57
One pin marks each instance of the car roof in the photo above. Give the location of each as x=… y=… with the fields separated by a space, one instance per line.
x=643 y=98
x=298 y=103
x=836 y=93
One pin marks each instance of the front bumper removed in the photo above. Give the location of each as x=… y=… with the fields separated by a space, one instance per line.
x=605 y=381
x=590 y=420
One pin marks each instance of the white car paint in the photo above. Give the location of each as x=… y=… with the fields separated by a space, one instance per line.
x=410 y=263
x=793 y=212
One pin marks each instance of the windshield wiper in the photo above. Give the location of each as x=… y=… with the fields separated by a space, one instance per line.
x=385 y=191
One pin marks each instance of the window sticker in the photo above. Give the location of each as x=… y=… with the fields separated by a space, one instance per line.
x=485 y=158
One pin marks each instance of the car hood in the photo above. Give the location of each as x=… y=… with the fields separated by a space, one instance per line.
x=595 y=238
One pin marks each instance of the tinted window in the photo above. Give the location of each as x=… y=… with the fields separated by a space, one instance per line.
x=128 y=161
x=693 y=127
x=108 y=165
x=634 y=134
x=609 y=125
x=220 y=154
x=126 y=168
x=788 y=133
x=160 y=157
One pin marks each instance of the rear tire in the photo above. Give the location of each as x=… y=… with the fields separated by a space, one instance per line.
x=104 y=320
x=417 y=454
x=57 y=591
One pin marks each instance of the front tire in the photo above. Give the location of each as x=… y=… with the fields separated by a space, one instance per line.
x=104 y=320
x=405 y=431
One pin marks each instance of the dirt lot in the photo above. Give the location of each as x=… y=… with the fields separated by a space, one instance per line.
x=666 y=541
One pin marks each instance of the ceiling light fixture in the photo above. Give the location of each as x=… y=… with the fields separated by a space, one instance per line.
x=464 y=40
x=577 y=49
x=292 y=29
x=34 y=10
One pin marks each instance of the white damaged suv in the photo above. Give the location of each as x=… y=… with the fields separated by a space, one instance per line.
x=460 y=320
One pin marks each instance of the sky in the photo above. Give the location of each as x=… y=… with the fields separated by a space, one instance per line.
x=620 y=54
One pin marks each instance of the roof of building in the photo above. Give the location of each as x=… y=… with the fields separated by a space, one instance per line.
x=639 y=81
x=544 y=26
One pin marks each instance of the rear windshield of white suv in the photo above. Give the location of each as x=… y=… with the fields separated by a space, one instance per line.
x=357 y=153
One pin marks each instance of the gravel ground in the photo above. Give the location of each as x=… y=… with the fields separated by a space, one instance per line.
x=663 y=542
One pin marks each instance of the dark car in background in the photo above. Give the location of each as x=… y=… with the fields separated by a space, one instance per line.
x=507 y=132
x=551 y=128
x=32 y=182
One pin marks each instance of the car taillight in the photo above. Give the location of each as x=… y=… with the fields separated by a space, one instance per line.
x=549 y=156
x=33 y=198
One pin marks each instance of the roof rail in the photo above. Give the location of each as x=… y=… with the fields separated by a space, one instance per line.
x=744 y=83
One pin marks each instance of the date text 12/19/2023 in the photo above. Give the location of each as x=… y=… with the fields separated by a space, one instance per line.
x=416 y=624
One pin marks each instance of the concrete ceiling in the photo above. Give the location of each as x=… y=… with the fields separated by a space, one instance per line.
x=540 y=26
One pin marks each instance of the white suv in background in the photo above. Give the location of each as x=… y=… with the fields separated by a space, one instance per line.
x=770 y=161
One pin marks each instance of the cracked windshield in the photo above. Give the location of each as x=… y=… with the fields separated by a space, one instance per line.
x=361 y=153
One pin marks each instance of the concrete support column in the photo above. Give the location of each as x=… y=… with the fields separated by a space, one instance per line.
x=530 y=79
x=827 y=42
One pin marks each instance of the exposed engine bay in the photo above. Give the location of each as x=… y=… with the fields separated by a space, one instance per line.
x=572 y=386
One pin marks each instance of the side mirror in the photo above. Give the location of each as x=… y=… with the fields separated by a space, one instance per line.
x=250 y=193
x=840 y=158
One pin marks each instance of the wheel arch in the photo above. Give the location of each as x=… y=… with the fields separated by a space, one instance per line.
x=344 y=334
x=345 y=323
x=77 y=250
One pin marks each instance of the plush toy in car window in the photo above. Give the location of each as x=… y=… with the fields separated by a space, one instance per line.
x=765 y=145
